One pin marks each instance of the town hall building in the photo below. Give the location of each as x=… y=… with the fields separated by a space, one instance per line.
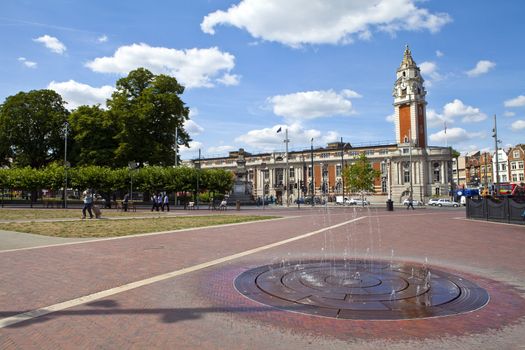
x=407 y=166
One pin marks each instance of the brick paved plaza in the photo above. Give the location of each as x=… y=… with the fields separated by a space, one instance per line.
x=175 y=290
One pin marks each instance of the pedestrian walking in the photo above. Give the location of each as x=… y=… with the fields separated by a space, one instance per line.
x=125 y=202
x=410 y=204
x=166 y=203
x=159 y=202
x=88 y=204
x=154 y=202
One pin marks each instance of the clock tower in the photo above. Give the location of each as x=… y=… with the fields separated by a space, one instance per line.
x=409 y=103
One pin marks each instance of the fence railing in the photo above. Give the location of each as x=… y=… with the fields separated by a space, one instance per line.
x=505 y=209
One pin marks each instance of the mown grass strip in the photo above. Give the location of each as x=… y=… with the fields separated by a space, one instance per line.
x=37 y=213
x=115 y=228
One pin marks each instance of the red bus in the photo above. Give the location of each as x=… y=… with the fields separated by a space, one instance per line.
x=505 y=188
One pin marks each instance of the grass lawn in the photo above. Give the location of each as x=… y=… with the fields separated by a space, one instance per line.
x=112 y=228
x=34 y=214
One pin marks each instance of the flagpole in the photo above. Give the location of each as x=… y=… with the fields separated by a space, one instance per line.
x=287 y=170
x=446 y=141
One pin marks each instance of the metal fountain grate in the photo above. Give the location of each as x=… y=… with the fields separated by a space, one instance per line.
x=361 y=289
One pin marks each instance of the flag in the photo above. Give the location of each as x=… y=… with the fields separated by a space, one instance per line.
x=279 y=130
x=445 y=128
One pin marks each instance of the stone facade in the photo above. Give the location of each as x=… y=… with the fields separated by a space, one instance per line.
x=406 y=165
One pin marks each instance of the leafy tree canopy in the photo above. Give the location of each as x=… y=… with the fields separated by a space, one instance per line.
x=31 y=124
x=148 y=110
x=360 y=175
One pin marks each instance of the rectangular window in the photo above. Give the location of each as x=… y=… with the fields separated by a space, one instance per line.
x=406 y=177
x=338 y=170
x=503 y=166
x=516 y=154
x=383 y=186
x=292 y=173
x=513 y=166
x=437 y=191
x=310 y=171
x=436 y=175
x=521 y=176
x=514 y=177
x=520 y=165
x=503 y=178
x=405 y=150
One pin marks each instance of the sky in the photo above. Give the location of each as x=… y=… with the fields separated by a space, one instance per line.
x=321 y=69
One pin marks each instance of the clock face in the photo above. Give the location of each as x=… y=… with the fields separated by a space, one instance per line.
x=403 y=84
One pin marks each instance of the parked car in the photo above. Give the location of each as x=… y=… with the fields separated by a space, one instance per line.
x=433 y=201
x=361 y=202
x=443 y=202
x=317 y=200
x=414 y=202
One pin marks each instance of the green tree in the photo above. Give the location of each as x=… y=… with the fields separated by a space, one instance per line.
x=218 y=181
x=94 y=131
x=360 y=176
x=148 y=109
x=31 y=124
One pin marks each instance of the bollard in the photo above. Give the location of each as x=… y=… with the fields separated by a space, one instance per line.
x=390 y=205
x=238 y=205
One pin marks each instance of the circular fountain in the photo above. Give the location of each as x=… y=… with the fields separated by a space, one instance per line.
x=361 y=289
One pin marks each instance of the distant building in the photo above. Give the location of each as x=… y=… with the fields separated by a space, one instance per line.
x=516 y=158
x=407 y=164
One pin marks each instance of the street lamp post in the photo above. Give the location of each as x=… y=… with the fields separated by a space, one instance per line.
x=410 y=198
x=287 y=173
x=198 y=176
x=312 y=184
x=342 y=168
x=132 y=166
x=389 y=203
x=66 y=129
x=263 y=172
x=496 y=141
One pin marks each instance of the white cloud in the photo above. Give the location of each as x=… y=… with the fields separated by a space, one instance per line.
x=102 y=39
x=78 y=94
x=518 y=125
x=192 y=151
x=390 y=118
x=330 y=136
x=313 y=104
x=192 y=67
x=439 y=53
x=298 y=22
x=229 y=79
x=220 y=149
x=434 y=119
x=452 y=135
x=52 y=43
x=268 y=139
x=482 y=67
x=28 y=64
x=509 y=114
x=193 y=128
x=193 y=112
x=457 y=108
x=430 y=70
x=515 y=102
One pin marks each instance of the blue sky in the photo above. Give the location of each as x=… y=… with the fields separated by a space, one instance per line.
x=323 y=69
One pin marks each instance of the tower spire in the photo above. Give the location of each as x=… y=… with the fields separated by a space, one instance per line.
x=407 y=61
x=409 y=103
